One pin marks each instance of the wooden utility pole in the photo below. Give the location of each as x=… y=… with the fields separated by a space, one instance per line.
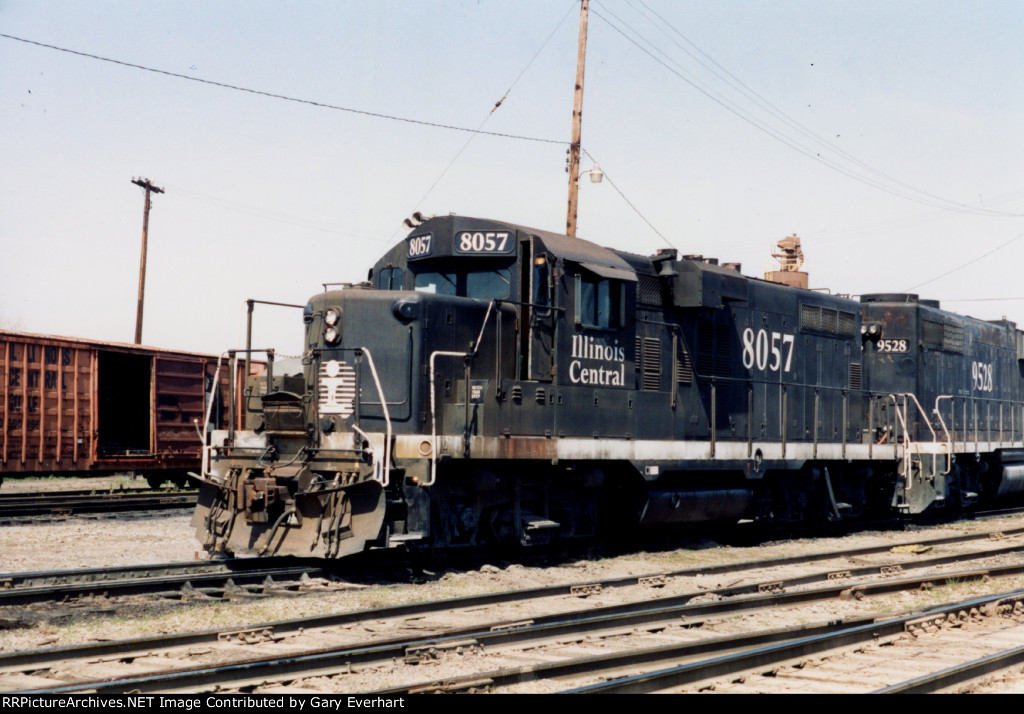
x=577 y=124
x=144 y=183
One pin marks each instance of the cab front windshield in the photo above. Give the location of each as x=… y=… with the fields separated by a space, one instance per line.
x=493 y=284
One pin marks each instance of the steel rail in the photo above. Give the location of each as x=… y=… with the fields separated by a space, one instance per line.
x=42 y=587
x=114 y=573
x=97 y=503
x=90 y=576
x=96 y=577
x=36 y=496
x=958 y=674
x=774 y=655
x=618 y=660
x=499 y=634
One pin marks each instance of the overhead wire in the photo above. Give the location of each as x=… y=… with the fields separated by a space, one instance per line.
x=493 y=109
x=628 y=202
x=928 y=198
x=504 y=96
x=722 y=73
x=875 y=178
x=717 y=98
x=487 y=118
x=899 y=189
x=272 y=95
x=968 y=263
x=473 y=132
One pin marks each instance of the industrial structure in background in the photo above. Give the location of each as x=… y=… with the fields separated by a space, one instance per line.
x=791 y=258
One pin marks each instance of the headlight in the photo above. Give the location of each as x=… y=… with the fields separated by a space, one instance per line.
x=332 y=316
x=331 y=335
x=405 y=310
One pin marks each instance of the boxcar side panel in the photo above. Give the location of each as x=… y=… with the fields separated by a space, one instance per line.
x=46 y=405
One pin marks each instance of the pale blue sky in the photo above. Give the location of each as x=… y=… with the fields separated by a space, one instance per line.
x=268 y=198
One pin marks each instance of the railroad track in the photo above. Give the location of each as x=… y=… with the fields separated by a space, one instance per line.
x=214 y=578
x=831 y=660
x=62 y=504
x=223 y=579
x=406 y=640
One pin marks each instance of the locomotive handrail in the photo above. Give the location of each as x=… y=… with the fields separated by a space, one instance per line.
x=480 y=335
x=942 y=422
x=712 y=379
x=920 y=409
x=537 y=305
x=433 y=410
x=1012 y=403
x=902 y=416
x=232 y=390
x=269 y=351
x=907 y=483
x=945 y=430
x=204 y=435
x=386 y=479
x=433 y=390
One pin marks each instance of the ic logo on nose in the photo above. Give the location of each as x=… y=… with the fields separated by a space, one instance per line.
x=337 y=388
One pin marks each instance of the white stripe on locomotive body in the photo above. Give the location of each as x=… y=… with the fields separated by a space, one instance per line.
x=635 y=450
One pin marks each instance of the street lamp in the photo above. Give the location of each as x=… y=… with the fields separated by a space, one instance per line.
x=596 y=174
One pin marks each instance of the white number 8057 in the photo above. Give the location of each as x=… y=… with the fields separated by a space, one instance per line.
x=765 y=350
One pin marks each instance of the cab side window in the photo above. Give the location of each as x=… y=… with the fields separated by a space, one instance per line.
x=389 y=279
x=489 y=284
x=438 y=283
x=493 y=284
x=599 y=302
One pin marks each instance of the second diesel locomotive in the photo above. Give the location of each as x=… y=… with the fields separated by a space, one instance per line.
x=495 y=384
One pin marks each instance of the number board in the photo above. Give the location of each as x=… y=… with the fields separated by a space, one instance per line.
x=892 y=346
x=485 y=242
x=420 y=246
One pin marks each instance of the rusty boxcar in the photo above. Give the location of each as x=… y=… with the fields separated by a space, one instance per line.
x=78 y=406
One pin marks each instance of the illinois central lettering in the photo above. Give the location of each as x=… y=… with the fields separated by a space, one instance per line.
x=610 y=370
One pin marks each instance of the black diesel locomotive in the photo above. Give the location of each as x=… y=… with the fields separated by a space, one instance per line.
x=495 y=384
